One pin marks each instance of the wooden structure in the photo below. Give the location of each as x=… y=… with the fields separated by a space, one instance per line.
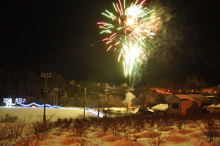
x=186 y=103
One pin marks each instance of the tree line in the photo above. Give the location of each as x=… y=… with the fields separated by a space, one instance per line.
x=30 y=85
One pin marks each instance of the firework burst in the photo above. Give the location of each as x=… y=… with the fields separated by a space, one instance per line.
x=127 y=29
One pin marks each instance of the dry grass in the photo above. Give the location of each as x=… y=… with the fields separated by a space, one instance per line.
x=149 y=135
x=82 y=131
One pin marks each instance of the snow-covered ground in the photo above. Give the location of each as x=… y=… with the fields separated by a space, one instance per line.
x=36 y=114
x=191 y=134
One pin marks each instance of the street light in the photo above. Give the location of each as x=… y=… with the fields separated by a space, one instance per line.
x=45 y=75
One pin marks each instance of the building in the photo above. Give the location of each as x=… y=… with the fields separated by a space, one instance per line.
x=212 y=108
x=186 y=103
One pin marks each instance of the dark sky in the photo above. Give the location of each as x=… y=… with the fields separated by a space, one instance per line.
x=56 y=35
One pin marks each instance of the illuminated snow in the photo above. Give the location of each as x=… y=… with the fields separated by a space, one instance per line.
x=37 y=112
x=190 y=135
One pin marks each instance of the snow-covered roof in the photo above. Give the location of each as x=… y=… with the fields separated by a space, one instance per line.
x=191 y=97
x=160 y=107
x=184 y=96
x=213 y=108
x=168 y=97
x=150 y=110
x=213 y=105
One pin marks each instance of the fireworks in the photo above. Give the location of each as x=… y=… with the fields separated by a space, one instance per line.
x=127 y=29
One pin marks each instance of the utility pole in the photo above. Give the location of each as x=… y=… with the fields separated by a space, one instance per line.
x=98 y=97
x=55 y=96
x=85 y=104
x=45 y=75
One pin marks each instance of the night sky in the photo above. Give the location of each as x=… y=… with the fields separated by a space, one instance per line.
x=57 y=36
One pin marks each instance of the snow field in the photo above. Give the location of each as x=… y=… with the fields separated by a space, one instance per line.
x=36 y=114
x=125 y=131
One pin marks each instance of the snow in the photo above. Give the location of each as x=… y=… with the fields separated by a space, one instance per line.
x=190 y=134
x=160 y=107
x=36 y=114
x=213 y=108
x=213 y=105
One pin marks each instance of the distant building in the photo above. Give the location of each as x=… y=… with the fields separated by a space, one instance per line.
x=163 y=90
x=186 y=103
x=212 y=108
x=214 y=99
x=210 y=90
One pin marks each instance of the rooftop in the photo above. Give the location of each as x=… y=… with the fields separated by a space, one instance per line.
x=187 y=96
x=160 y=107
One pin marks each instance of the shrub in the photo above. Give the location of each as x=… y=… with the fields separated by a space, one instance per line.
x=80 y=127
x=58 y=122
x=66 y=123
x=155 y=141
x=211 y=128
x=10 y=132
x=41 y=129
x=113 y=125
x=7 y=118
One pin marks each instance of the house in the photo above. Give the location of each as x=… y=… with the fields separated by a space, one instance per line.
x=214 y=99
x=186 y=103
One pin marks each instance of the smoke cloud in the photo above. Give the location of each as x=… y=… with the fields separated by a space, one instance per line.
x=128 y=98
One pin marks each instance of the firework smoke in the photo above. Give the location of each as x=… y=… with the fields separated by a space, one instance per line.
x=128 y=98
